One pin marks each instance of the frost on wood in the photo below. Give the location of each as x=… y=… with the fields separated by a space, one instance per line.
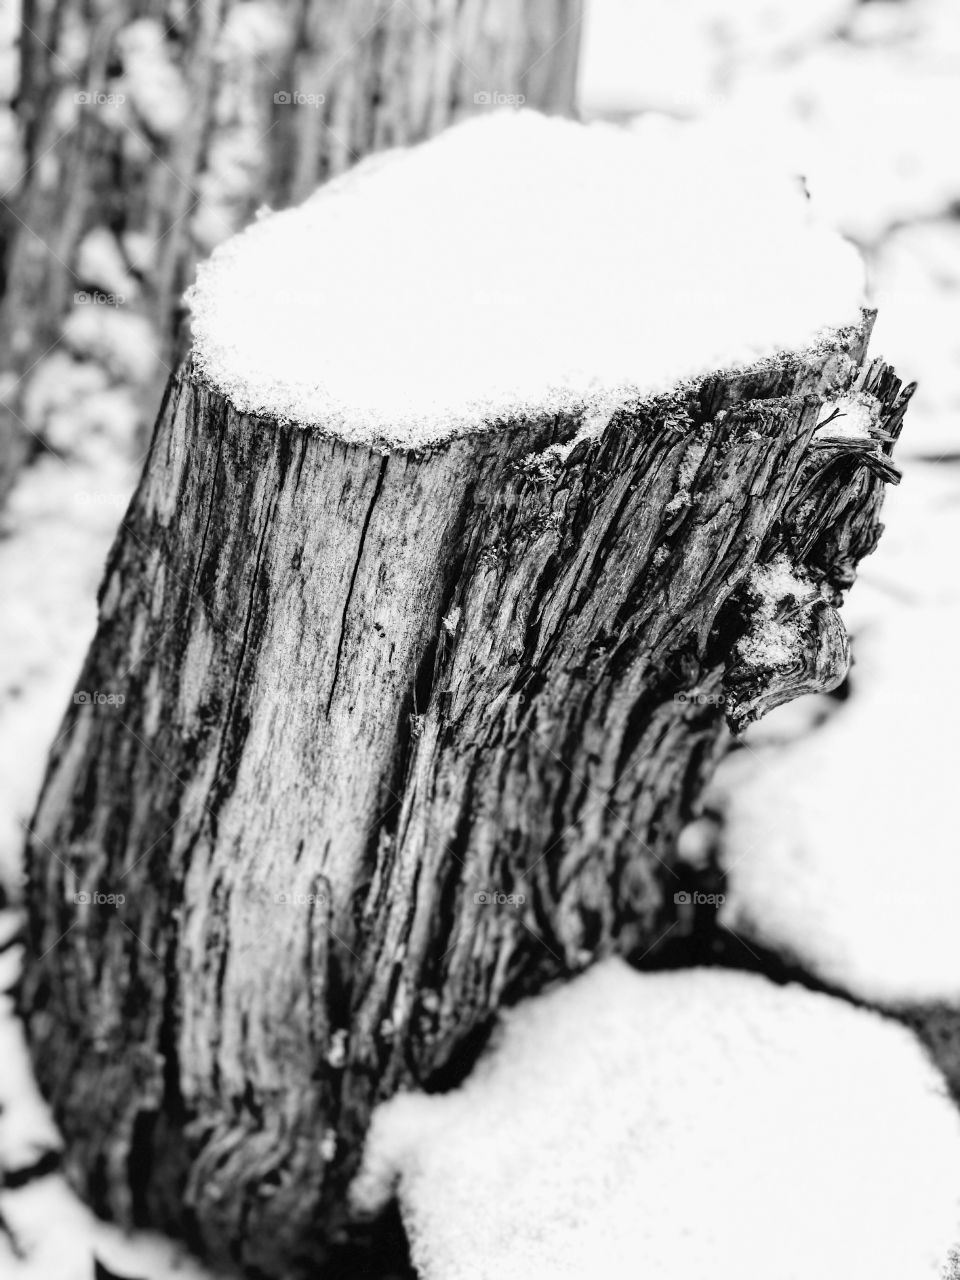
x=581 y=261
x=405 y=734
x=697 y=1123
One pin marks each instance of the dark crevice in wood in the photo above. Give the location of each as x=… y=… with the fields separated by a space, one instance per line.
x=353 y=578
x=44 y=1164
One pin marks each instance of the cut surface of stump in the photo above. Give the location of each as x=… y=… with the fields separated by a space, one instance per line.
x=492 y=488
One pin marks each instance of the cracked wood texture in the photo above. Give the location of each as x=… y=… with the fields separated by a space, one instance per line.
x=160 y=128
x=404 y=736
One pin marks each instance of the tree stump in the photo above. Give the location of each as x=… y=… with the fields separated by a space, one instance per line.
x=391 y=720
x=162 y=132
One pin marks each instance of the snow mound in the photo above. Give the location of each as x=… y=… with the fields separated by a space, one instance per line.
x=517 y=265
x=694 y=1123
x=840 y=850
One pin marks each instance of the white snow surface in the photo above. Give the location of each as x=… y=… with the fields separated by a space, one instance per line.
x=773 y=640
x=915 y=281
x=671 y=1125
x=869 y=128
x=631 y=55
x=517 y=265
x=840 y=849
x=849 y=417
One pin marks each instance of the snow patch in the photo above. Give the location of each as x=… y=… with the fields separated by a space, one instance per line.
x=100 y=262
x=866 y=128
x=840 y=848
x=60 y=1238
x=151 y=79
x=915 y=278
x=850 y=417
x=777 y=594
x=676 y=58
x=122 y=342
x=694 y=1123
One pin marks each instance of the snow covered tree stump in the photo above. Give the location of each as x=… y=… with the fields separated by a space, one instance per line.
x=452 y=553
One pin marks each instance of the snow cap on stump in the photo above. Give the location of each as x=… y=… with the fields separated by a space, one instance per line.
x=517 y=265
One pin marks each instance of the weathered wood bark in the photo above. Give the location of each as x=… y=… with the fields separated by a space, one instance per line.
x=402 y=737
x=152 y=132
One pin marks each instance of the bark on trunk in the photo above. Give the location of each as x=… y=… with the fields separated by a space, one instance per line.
x=151 y=134
x=371 y=744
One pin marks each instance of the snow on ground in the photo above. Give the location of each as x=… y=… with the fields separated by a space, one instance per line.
x=459 y=242
x=894 y=158
x=630 y=54
x=54 y=539
x=916 y=286
x=26 y=1129
x=60 y=1240
x=693 y=1123
x=47 y=1233
x=840 y=848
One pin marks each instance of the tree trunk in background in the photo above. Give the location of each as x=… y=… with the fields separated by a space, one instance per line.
x=153 y=131
x=373 y=744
